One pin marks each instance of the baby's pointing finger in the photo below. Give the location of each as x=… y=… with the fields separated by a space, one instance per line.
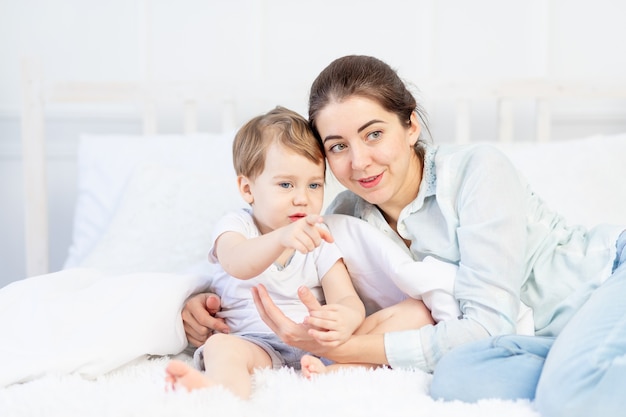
x=325 y=234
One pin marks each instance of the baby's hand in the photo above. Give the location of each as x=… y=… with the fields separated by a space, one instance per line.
x=306 y=234
x=333 y=324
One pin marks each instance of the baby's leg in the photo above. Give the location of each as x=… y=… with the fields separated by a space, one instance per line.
x=229 y=361
x=409 y=314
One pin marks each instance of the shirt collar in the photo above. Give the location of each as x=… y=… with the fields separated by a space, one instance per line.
x=428 y=185
x=429 y=176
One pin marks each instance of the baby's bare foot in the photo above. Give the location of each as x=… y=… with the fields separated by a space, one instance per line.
x=312 y=366
x=178 y=373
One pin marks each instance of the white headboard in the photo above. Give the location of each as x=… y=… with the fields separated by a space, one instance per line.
x=506 y=92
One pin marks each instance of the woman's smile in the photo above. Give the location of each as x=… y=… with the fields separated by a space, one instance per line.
x=370 y=182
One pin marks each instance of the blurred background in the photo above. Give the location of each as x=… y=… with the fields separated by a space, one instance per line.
x=260 y=53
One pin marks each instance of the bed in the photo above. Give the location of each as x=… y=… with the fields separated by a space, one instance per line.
x=94 y=337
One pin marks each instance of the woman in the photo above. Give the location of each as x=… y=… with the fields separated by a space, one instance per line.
x=467 y=205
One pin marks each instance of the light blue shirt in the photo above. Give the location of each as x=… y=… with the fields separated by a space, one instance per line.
x=475 y=210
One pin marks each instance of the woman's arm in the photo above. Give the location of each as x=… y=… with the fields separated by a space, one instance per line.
x=357 y=349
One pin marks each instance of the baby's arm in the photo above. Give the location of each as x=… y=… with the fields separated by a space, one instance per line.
x=344 y=312
x=246 y=258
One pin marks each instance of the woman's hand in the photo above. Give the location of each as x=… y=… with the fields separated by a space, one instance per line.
x=290 y=332
x=362 y=348
x=199 y=318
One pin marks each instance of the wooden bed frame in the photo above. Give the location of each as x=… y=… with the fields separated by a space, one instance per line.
x=37 y=95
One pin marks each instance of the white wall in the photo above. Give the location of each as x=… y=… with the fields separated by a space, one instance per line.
x=267 y=52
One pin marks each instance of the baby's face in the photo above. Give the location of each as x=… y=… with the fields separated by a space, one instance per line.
x=289 y=188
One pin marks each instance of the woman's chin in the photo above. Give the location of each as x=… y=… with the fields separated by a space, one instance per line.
x=376 y=196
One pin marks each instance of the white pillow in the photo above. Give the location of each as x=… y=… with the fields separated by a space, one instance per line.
x=582 y=179
x=106 y=164
x=164 y=221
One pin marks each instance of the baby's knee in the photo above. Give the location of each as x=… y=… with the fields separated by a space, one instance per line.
x=412 y=313
x=218 y=339
x=419 y=312
x=223 y=346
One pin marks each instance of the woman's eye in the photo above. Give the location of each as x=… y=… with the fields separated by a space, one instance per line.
x=374 y=135
x=337 y=148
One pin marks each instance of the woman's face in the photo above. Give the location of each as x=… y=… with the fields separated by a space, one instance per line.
x=370 y=152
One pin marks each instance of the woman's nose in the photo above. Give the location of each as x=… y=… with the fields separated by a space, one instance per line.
x=360 y=156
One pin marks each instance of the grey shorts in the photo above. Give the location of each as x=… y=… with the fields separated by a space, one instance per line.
x=279 y=352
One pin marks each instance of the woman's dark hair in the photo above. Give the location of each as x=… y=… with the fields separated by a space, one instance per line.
x=369 y=77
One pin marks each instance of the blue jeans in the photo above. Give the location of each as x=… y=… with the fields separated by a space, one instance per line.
x=584 y=373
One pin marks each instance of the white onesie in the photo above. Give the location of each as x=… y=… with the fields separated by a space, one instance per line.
x=282 y=283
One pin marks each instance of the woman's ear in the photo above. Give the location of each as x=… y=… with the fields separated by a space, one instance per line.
x=414 y=129
x=245 y=189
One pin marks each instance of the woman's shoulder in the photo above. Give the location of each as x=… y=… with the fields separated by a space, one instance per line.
x=470 y=151
x=478 y=156
x=466 y=168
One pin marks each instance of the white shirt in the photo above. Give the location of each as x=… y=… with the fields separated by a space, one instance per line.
x=282 y=283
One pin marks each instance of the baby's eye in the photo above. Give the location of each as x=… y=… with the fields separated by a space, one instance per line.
x=284 y=184
x=315 y=186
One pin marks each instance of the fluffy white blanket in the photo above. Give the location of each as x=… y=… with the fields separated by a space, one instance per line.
x=138 y=390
